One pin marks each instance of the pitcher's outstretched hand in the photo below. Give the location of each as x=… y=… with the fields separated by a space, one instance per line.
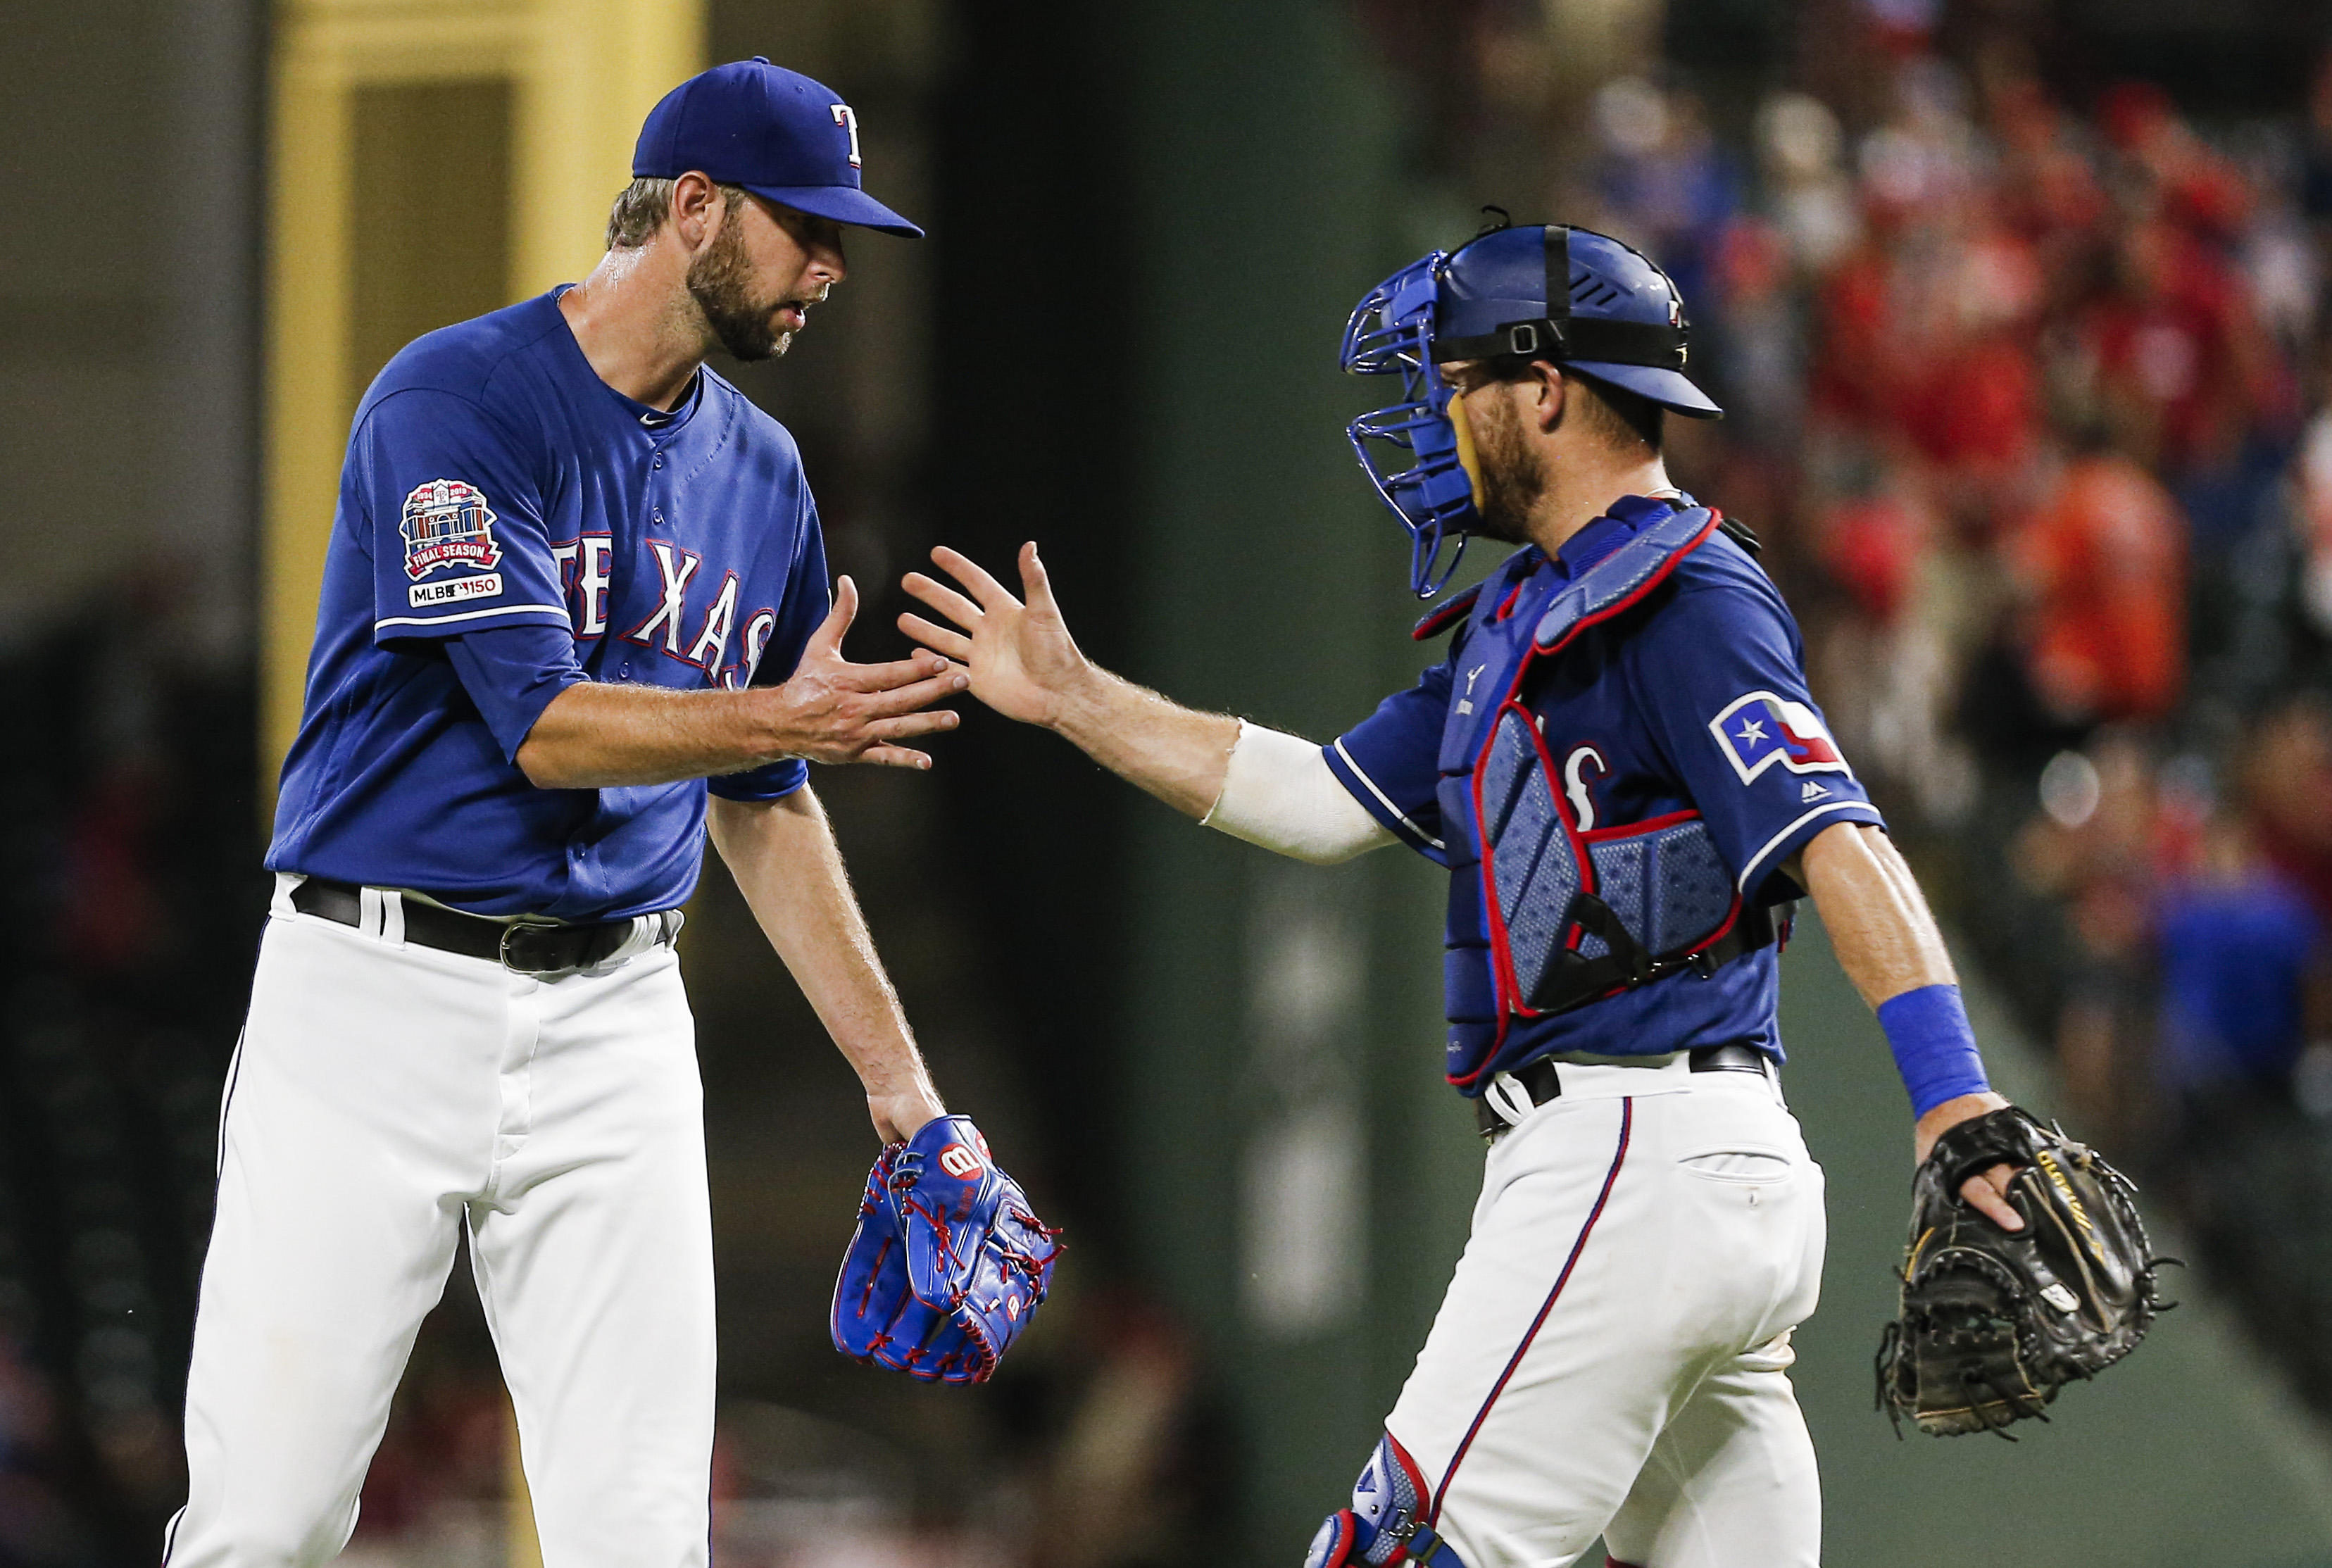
x=833 y=710
x=1023 y=662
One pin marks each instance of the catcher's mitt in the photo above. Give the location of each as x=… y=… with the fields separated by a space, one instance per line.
x=1994 y=1322
x=948 y=1263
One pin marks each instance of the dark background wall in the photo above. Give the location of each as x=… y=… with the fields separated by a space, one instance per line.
x=128 y=378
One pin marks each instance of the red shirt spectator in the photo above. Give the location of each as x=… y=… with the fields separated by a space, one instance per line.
x=2104 y=558
x=2172 y=349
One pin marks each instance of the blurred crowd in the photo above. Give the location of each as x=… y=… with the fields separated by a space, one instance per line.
x=126 y=842
x=2035 y=398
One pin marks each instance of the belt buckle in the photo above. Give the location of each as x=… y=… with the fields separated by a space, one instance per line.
x=511 y=963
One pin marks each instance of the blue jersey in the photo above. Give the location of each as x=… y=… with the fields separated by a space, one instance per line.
x=1693 y=700
x=510 y=524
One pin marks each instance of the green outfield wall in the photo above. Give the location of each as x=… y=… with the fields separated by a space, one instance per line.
x=1311 y=1176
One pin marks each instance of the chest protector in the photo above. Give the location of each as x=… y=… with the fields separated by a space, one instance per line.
x=1545 y=918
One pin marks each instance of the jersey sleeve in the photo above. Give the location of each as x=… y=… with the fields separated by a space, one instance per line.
x=512 y=673
x=448 y=507
x=1391 y=761
x=773 y=661
x=1720 y=670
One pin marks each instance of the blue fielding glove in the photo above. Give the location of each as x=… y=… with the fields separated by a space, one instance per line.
x=948 y=1265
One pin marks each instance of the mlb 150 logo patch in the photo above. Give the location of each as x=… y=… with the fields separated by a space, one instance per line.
x=453 y=591
x=447 y=523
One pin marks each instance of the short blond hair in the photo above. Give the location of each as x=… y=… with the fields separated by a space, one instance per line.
x=1622 y=418
x=642 y=206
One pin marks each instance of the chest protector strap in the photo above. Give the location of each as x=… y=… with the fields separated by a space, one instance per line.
x=1574 y=916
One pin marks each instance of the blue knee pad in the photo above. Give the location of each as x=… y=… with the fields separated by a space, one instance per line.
x=1385 y=1527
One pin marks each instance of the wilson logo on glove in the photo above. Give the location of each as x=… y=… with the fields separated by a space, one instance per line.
x=948 y=1266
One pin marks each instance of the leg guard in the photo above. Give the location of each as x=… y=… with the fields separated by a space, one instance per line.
x=1385 y=1527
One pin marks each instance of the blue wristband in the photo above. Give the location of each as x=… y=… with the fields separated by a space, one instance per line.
x=1934 y=1049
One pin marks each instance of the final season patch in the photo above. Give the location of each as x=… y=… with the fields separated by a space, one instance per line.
x=1762 y=729
x=447 y=523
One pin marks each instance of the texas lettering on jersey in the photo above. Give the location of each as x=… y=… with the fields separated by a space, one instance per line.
x=585 y=572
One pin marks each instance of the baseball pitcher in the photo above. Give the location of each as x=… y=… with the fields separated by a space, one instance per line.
x=574 y=576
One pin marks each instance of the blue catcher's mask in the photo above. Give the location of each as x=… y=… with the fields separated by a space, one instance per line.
x=1615 y=317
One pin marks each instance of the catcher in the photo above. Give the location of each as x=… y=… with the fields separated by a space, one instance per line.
x=1620 y=765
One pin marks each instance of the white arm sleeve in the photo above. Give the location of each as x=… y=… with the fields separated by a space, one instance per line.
x=1277 y=792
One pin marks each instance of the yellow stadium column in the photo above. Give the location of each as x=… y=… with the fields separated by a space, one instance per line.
x=429 y=161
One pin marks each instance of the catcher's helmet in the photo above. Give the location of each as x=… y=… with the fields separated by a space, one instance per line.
x=1618 y=319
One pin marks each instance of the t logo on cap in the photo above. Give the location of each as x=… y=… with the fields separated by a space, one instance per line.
x=845 y=117
x=771 y=130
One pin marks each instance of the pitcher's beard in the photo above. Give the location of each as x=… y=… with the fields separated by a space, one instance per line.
x=1511 y=482
x=718 y=282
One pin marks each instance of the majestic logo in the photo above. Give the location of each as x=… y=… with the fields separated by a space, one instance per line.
x=447 y=523
x=1762 y=729
x=847 y=117
x=959 y=1162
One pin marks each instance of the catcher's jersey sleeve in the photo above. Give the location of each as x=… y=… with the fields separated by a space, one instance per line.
x=1718 y=674
x=447 y=504
x=1389 y=760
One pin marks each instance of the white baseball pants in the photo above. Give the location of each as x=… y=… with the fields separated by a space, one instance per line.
x=384 y=1096
x=1611 y=1357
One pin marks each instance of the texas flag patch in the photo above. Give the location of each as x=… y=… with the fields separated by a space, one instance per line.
x=1761 y=729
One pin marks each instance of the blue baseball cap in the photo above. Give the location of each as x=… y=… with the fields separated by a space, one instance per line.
x=774 y=131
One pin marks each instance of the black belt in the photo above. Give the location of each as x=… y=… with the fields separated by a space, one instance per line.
x=525 y=946
x=1542 y=1080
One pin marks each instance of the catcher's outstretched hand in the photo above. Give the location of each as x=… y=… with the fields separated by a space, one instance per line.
x=1023 y=662
x=1987 y=1190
